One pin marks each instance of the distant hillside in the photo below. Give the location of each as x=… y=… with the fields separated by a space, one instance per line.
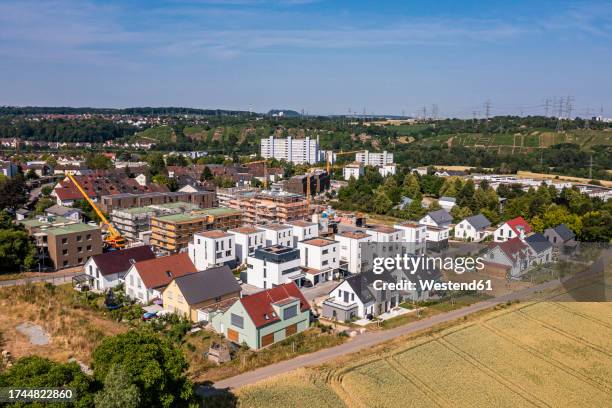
x=156 y=111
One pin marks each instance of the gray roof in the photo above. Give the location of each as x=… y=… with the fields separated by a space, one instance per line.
x=205 y=285
x=61 y=210
x=564 y=232
x=362 y=284
x=479 y=222
x=538 y=242
x=441 y=216
x=448 y=199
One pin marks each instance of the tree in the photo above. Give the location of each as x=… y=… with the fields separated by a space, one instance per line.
x=87 y=210
x=46 y=191
x=31 y=175
x=382 y=203
x=98 y=162
x=43 y=204
x=40 y=372
x=118 y=391
x=411 y=188
x=13 y=192
x=415 y=210
x=460 y=213
x=16 y=250
x=206 y=174
x=434 y=206
x=392 y=190
x=596 y=227
x=157 y=164
x=154 y=365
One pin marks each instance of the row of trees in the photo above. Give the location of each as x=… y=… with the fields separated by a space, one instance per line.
x=131 y=370
x=590 y=219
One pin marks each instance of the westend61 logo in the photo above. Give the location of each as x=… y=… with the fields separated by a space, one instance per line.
x=421 y=265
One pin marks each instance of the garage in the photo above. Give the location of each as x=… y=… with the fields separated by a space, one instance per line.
x=267 y=340
x=232 y=335
x=291 y=330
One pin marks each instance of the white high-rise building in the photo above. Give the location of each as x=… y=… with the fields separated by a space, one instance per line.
x=298 y=151
x=374 y=159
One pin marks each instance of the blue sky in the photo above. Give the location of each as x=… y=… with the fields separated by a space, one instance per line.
x=320 y=56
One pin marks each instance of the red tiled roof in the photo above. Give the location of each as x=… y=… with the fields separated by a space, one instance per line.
x=320 y=242
x=159 y=272
x=519 y=222
x=259 y=304
x=120 y=261
x=513 y=248
x=103 y=183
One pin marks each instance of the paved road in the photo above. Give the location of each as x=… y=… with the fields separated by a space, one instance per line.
x=371 y=339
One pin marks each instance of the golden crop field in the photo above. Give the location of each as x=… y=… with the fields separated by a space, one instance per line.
x=542 y=354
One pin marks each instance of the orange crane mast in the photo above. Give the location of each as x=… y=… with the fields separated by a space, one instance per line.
x=113 y=237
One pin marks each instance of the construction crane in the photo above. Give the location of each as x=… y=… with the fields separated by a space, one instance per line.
x=265 y=162
x=113 y=238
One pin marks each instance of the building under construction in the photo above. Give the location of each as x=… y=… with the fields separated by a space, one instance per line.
x=271 y=207
x=172 y=232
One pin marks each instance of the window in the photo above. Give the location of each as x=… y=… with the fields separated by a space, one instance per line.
x=80 y=260
x=65 y=263
x=290 y=312
x=325 y=251
x=80 y=249
x=88 y=237
x=324 y=262
x=64 y=252
x=79 y=238
x=89 y=247
x=237 y=321
x=90 y=270
x=64 y=241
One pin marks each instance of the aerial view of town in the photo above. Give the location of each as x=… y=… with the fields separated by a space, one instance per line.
x=305 y=203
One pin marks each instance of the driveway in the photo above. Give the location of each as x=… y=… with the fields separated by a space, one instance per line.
x=370 y=339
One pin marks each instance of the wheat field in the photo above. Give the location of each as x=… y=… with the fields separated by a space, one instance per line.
x=540 y=354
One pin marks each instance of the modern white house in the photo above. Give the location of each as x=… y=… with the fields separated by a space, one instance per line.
x=541 y=249
x=514 y=228
x=107 y=270
x=356 y=297
x=319 y=258
x=438 y=229
x=414 y=237
x=439 y=218
x=384 y=233
x=146 y=280
x=474 y=228
x=212 y=248
x=350 y=247
x=387 y=170
x=73 y=214
x=246 y=241
x=303 y=230
x=278 y=234
x=274 y=265
x=354 y=170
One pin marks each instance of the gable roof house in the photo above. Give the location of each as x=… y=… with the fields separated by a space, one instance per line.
x=508 y=258
x=474 y=228
x=541 y=249
x=438 y=229
x=447 y=203
x=145 y=280
x=439 y=218
x=195 y=294
x=562 y=238
x=356 y=297
x=516 y=227
x=265 y=317
x=107 y=270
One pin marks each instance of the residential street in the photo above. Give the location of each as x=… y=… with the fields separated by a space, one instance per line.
x=370 y=339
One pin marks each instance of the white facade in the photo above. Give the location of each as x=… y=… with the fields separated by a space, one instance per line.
x=350 y=250
x=303 y=230
x=505 y=232
x=100 y=282
x=298 y=151
x=414 y=237
x=246 y=241
x=465 y=230
x=136 y=289
x=211 y=248
x=387 y=170
x=320 y=257
x=437 y=234
x=374 y=159
x=273 y=266
x=278 y=234
x=352 y=170
x=344 y=295
x=382 y=233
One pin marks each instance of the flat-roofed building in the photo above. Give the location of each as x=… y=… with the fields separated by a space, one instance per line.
x=211 y=248
x=319 y=258
x=350 y=247
x=271 y=206
x=278 y=234
x=71 y=244
x=272 y=266
x=247 y=240
x=303 y=230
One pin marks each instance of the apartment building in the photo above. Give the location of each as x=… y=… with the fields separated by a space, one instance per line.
x=414 y=237
x=71 y=244
x=211 y=248
x=319 y=258
x=173 y=232
x=278 y=234
x=374 y=159
x=272 y=266
x=246 y=241
x=226 y=195
x=353 y=170
x=201 y=199
x=130 y=222
x=271 y=206
x=303 y=230
x=298 y=151
x=350 y=250
x=319 y=182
